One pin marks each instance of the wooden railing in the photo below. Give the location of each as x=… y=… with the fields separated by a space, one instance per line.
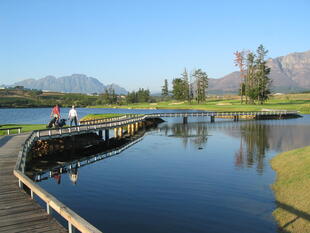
x=9 y=129
x=74 y=220
x=67 y=131
x=109 y=119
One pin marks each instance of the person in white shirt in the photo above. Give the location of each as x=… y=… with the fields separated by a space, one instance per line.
x=73 y=116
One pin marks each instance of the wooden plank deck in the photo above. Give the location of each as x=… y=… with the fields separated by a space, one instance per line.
x=18 y=212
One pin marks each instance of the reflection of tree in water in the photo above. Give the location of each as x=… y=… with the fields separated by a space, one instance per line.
x=194 y=133
x=253 y=146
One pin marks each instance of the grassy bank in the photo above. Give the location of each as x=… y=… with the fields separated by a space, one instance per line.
x=296 y=102
x=25 y=128
x=292 y=190
x=100 y=116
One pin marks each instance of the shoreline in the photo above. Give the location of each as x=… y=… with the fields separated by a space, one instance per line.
x=291 y=190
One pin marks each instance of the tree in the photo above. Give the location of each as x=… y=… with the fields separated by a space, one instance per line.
x=256 y=85
x=177 y=88
x=201 y=79
x=251 y=88
x=262 y=72
x=138 y=97
x=165 y=90
x=186 y=86
x=240 y=62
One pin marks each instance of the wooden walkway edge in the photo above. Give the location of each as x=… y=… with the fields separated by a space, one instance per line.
x=18 y=212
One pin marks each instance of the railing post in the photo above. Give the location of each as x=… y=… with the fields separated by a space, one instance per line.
x=19 y=130
x=20 y=184
x=31 y=193
x=48 y=209
x=8 y=132
x=71 y=228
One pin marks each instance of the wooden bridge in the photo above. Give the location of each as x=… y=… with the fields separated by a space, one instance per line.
x=18 y=212
x=134 y=121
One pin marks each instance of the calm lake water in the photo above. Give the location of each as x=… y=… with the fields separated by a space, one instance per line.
x=199 y=177
x=42 y=115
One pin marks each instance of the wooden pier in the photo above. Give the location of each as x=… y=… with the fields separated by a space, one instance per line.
x=18 y=212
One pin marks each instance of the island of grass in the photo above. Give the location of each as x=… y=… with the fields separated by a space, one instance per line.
x=90 y=117
x=292 y=190
x=24 y=128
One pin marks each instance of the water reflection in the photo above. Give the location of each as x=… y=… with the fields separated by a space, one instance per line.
x=192 y=133
x=72 y=167
x=73 y=174
x=253 y=146
x=256 y=137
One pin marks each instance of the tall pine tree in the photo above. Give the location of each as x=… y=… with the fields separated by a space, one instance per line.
x=165 y=90
x=186 y=86
x=201 y=79
x=262 y=72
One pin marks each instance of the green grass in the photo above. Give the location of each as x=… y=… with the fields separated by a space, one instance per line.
x=25 y=128
x=100 y=116
x=298 y=102
x=292 y=190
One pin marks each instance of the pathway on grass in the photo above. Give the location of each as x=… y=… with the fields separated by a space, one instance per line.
x=18 y=212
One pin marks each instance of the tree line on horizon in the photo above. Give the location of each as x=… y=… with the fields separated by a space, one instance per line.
x=184 y=89
x=254 y=86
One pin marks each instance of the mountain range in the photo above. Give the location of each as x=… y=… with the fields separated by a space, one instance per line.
x=290 y=73
x=75 y=83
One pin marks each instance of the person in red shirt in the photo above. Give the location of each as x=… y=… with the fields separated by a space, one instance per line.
x=55 y=114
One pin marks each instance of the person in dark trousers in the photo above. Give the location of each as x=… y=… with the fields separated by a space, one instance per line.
x=73 y=116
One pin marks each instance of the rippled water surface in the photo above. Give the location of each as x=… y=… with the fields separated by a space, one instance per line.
x=199 y=177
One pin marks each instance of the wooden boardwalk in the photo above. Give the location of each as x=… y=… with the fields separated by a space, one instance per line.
x=18 y=212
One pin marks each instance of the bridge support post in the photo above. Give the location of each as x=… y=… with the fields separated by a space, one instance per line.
x=115 y=132
x=100 y=133
x=212 y=119
x=130 y=126
x=236 y=118
x=120 y=132
x=185 y=120
x=106 y=134
x=128 y=129
x=137 y=126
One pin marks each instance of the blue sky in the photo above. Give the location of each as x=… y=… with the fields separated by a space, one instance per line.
x=140 y=43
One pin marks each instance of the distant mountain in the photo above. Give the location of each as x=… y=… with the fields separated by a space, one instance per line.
x=289 y=73
x=75 y=83
x=119 y=90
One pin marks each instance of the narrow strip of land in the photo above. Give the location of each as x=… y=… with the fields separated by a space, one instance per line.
x=18 y=212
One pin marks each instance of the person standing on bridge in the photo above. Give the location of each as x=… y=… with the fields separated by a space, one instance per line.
x=55 y=115
x=73 y=116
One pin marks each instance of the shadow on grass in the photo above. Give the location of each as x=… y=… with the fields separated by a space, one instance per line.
x=292 y=210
